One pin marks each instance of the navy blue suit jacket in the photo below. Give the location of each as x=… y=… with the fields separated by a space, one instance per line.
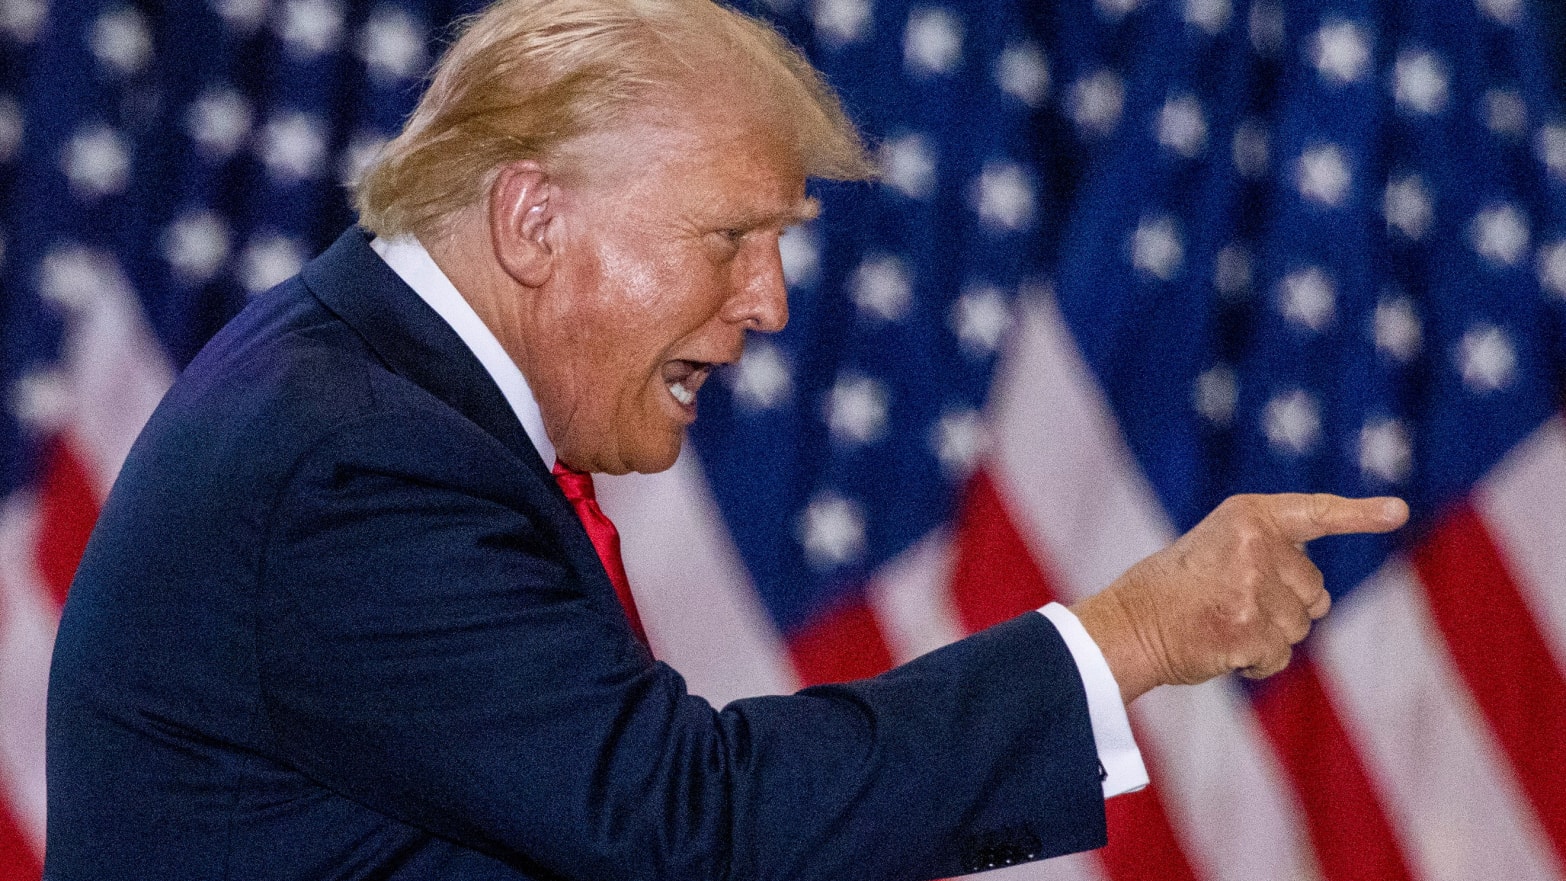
x=337 y=621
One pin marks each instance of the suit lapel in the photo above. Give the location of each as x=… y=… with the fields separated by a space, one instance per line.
x=355 y=283
x=352 y=281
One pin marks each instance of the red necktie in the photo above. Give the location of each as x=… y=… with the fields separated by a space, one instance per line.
x=578 y=489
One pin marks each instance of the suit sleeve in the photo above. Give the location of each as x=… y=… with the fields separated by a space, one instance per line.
x=426 y=649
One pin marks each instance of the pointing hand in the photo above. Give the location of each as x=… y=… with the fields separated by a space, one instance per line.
x=1233 y=594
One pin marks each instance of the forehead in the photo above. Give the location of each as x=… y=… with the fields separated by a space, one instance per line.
x=703 y=160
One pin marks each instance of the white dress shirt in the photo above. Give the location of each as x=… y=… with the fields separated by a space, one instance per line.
x=1118 y=754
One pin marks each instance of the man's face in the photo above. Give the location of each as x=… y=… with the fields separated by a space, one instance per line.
x=663 y=258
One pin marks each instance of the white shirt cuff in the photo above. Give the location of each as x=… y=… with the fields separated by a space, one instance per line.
x=1118 y=754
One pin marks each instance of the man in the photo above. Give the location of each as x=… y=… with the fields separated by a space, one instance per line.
x=338 y=619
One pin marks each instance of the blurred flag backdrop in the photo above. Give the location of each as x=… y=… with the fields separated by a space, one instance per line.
x=1128 y=257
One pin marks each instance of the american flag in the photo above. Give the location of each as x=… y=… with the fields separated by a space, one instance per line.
x=1128 y=257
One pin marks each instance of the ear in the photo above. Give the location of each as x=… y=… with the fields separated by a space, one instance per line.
x=519 y=217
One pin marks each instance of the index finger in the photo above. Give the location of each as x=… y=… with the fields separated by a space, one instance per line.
x=1308 y=516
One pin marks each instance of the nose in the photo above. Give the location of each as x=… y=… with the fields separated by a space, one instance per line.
x=760 y=300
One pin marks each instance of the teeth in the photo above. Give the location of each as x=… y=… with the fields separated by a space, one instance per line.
x=682 y=394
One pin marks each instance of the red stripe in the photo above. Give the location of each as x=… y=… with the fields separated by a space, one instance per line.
x=1502 y=657
x=18 y=862
x=995 y=577
x=67 y=510
x=842 y=645
x=1142 y=843
x=1349 y=829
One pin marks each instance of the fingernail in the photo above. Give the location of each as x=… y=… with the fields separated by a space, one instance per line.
x=1395 y=509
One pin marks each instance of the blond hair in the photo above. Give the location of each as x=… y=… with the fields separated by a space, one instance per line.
x=528 y=76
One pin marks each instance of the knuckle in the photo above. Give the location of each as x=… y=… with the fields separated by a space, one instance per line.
x=1320 y=507
x=1323 y=602
x=1297 y=629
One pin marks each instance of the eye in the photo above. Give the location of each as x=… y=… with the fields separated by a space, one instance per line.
x=732 y=235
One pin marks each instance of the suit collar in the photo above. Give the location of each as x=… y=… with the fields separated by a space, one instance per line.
x=353 y=282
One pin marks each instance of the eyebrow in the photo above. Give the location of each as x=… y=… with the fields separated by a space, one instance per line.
x=803 y=211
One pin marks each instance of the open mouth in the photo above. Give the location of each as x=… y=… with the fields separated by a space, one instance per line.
x=684 y=379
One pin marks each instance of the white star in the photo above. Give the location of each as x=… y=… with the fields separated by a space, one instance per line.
x=1116 y=9
x=1419 y=82
x=1292 y=422
x=243 y=16
x=1217 y=391
x=1397 y=329
x=392 y=45
x=71 y=276
x=906 y=165
x=980 y=319
x=1500 y=234
x=310 y=27
x=958 y=440
x=1251 y=149
x=1505 y=114
x=762 y=381
x=1552 y=267
x=1157 y=247
x=1211 y=16
x=1384 y=451
x=1181 y=126
x=1551 y=147
x=43 y=401
x=933 y=42
x=1486 y=359
x=11 y=127
x=22 y=20
x=832 y=530
x=1341 y=51
x=881 y=288
x=269 y=259
x=1308 y=298
x=361 y=150
x=1266 y=28
x=1022 y=72
x=839 y=22
x=120 y=40
x=219 y=122
x=196 y=245
x=293 y=146
x=1003 y=196
x=856 y=409
x=1506 y=12
x=1095 y=103
x=97 y=162
x=1407 y=206
x=1324 y=175
x=1232 y=271
x=801 y=256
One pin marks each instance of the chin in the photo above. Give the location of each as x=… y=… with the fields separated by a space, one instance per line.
x=662 y=458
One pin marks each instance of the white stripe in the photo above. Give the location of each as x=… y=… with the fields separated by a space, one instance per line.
x=1449 y=793
x=912 y=599
x=27 y=624
x=1523 y=501
x=116 y=370
x=1062 y=462
x=701 y=612
x=1082 y=503
x=1073 y=867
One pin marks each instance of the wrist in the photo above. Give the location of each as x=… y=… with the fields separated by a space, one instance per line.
x=1113 y=628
